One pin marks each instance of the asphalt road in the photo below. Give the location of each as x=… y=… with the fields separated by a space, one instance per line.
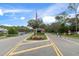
x=53 y=46
x=67 y=46
x=35 y=49
x=8 y=43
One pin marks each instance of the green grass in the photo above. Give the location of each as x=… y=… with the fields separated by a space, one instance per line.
x=11 y=35
x=72 y=36
x=2 y=37
x=7 y=36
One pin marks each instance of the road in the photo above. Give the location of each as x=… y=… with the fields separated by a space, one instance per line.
x=53 y=46
x=67 y=46
x=8 y=43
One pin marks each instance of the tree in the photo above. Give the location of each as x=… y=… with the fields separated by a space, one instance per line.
x=60 y=25
x=74 y=6
x=64 y=14
x=48 y=28
x=55 y=26
x=72 y=23
x=33 y=23
x=59 y=18
x=36 y=24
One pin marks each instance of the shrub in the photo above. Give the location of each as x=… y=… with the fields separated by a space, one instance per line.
x=12 y=31
x=38 y=36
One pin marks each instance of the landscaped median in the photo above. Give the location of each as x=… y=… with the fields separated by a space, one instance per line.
x=38 y=36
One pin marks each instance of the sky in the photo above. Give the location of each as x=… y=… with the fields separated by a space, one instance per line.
x=18 y=14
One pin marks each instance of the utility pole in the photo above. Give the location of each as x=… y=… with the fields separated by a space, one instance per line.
x=36 y=18
x=36 y=15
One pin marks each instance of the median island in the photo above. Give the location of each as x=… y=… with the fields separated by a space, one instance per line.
x=38 y=36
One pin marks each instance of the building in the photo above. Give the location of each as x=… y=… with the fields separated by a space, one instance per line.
x=3 y=31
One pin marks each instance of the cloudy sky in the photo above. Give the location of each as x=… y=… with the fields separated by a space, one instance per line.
x=20 y=13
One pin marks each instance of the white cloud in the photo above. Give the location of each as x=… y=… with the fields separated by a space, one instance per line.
x=16 y=10
x=3 y=11
x=7 y=24
x=22 y=18
x=54 y=10
x=49 y=19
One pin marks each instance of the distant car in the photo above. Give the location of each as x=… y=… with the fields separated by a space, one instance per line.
x=22 y=33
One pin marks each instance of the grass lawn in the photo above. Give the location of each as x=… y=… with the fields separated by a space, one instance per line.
x=12 y=35
x=7 y=36
x=2 y=37
x=72 y=36
x=38 y=36
x=76 y=36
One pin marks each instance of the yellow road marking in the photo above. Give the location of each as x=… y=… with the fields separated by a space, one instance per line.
x=32 y=42
x=54 y=49
x=31 y=49
x=57 y=50
x=17 y=45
